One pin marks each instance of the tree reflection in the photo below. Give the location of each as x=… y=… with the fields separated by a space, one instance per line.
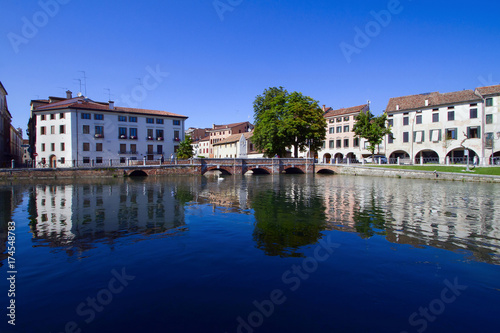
x=286 y=221
x=370 y=220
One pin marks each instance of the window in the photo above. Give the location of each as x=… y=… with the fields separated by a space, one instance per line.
x=159 y=149
x=99 y=131
x=42 y=117
x=339 y=143
x=451 y=134
x=489 y=140
x=159 y=121
x=406 y=137
x=390 y=138
x=435 y=135
x=339 y=120
x=489 y=119
x=331 y=144
x=123 y=160
x=122 y=118
x=132 y=119
x=63 y=161
x=473 y=132
x=62 y=115
x=346 y=143
x=451 y=115
x=150 y=120
x=63 y=147
x=133 y=148
x=435 y=117
x=346 y=118
x=86 y=116
x=473 y=113
x=418 y=120
x=98 y=147
x=150 y=149
x=339 y=129
x=346 y=128
x=390 y=122
x=332 y=130
x=176 y=148
x=98 y=160
x=52 y=129
x=43 y=146
x=355 y=142
x=122 y=132
x=489 y=102
x=52 y=116
x=42 y=130
x=451 y=107
x=98 y=116
x=52 y=147
x=62 y=129
x=418 y=136
x=86 y=160
x=177 y=122
x=86 y=129
x=150 y=134
x=406 y=121
x=86 y=146
x=177 y=136
x=123 y=148
x=159 y=135
x=133 y=133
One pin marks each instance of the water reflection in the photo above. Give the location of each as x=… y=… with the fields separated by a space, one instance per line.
x=290 y=212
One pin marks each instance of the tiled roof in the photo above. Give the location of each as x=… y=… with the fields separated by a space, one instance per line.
x=344 y=111
x=491 y=90
x=234 y=138
x=434 y=99
x=219 y=127
x=87 y=104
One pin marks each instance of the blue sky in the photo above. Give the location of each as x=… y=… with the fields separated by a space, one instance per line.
x=189 y=58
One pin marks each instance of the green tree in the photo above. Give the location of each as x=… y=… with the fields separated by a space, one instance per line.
x=371 y=128
x=185 y=150
x=284 y=119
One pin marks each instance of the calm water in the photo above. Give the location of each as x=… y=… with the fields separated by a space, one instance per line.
x=253 y=254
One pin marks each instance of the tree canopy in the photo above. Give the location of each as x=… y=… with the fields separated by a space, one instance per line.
x=185 y=150
x=371 y=128
x=284 y=119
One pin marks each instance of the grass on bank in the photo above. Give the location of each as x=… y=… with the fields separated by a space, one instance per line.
x=492 y=171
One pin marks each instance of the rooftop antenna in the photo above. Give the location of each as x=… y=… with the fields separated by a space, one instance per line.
x=109 y=93
x=85 y=83
x=79 y=80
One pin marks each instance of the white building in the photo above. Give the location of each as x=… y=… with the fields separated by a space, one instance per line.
x=73 y=132
x=201 y=147
x=236 y=146
x=341 y=143
x=444 y=128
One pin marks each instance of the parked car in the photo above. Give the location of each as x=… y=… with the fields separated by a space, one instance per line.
x=376 y=159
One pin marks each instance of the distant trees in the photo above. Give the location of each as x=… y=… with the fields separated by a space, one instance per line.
x=284 y=119
x=371 y=128
x=185 y=150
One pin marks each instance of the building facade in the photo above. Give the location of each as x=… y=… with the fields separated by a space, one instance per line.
x=5 y=131
x=26 y=160
x=445 y=128
x=341 y=144
x=222 y=132
x=75 y=132
x=235 y=146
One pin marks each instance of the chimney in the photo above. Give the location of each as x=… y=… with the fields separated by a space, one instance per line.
x=324 y=107
x=111 y=105
x=69 y=94
x=426 y=102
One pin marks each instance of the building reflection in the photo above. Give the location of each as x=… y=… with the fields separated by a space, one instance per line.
x=10 y=198
x=77 y=216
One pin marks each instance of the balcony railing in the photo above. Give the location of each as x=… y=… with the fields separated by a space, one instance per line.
x=122 y=137
x=127 y=152
x=99 y=136
x=177 y=139
x=150 y=138
x=133 y=137
x=160 y=138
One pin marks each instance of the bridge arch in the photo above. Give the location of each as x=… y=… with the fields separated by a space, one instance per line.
x=223 y=170
x=259 y=171
x=138 y=173
x=326 y=172
x=293 y=171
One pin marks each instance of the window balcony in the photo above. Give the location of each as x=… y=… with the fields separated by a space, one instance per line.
x=127 y=152
x=99 y=136
x=177 y=139
x=122 y=137
x=133 y=137
x=160 y=138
